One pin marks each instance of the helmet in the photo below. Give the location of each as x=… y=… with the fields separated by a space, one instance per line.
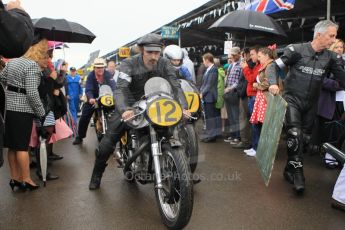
x=173 y=52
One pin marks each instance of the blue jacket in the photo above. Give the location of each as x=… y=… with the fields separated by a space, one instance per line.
x=185 y=74
x=74 y=88
x=92 y=86
x=209 y=85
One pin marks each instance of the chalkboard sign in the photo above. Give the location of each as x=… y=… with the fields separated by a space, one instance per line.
x=270 y=135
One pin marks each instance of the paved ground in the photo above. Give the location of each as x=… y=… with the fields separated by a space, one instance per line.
x=232 y=195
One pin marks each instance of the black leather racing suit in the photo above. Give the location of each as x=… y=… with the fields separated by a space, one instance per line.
x=130 y=88
x=302 y=86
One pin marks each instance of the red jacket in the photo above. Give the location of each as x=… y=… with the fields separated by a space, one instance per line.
x=250 y=75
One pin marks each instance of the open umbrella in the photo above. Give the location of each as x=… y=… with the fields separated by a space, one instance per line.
x=62 y=30
x=249 y=22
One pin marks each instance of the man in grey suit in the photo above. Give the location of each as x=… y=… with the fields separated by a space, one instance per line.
x=208 y=94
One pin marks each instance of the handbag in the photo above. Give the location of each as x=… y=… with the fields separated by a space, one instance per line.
x=62 y=131
x=59 y=105
x=231 y=97
x=242 y=87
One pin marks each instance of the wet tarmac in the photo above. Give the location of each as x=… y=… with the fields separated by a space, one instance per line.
x=232 y=195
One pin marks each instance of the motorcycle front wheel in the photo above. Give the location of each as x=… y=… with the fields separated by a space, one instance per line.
x=98 y=129
x=175 y=199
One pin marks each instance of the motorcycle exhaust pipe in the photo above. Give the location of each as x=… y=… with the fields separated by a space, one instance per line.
x=136 y=154
x=336 y=153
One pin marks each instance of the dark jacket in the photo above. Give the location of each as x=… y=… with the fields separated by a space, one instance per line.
x=327 y=104
x=307 y=70
x=209 y=85
x=92 y=86
x=133 y=76
x=56 y=104
x=16 y=32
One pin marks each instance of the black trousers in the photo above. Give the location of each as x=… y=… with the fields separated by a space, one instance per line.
x=84 y=120
x=115 y=130
x=300 y=116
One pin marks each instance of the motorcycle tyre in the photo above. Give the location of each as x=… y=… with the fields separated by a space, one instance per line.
x=186 y=190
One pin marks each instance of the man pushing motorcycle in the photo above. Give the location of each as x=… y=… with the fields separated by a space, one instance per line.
x=99 y=76
x=309 y=64
x=134 y=72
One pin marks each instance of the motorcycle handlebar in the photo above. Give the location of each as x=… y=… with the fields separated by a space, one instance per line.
x=189 y=116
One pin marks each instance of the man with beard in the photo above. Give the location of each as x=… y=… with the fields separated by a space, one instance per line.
x=134 y=72
x=309 y=64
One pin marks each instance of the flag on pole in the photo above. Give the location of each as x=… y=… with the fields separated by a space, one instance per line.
x=270 y=6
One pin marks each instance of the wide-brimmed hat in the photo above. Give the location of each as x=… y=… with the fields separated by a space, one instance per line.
x=99 y=62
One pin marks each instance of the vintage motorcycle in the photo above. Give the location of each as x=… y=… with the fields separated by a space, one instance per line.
x=151 y=151
x=187 y=132
x=104 y=109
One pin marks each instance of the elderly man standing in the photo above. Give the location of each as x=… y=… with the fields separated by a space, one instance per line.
x=99 y=76
x=231 y=98
x=309 y=64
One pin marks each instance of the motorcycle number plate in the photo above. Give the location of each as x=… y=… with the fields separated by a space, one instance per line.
x=164 y=112
x=107 y=101
x=193 y=101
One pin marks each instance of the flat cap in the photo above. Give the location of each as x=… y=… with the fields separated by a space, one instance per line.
x=151 y=42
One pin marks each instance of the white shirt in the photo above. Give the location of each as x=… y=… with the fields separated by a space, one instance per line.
x=116 y=75
x=209 y=68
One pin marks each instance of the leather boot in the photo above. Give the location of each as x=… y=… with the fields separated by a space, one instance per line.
x=96 y=176
x=52 y=156
x=293 y=173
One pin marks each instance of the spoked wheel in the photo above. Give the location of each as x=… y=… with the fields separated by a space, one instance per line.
x=98 y=129
x=175 y=199
x=129 y=174
x=190 y=142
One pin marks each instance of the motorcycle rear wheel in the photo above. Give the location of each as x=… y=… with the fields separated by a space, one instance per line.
x=190 y=140
x=175 y=199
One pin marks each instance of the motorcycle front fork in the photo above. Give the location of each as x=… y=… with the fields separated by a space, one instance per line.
x=104 y=122
x=156 y=153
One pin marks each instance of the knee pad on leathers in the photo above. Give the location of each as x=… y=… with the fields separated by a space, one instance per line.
x=294 y=141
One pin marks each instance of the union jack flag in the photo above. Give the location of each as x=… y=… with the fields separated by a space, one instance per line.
x=270 y=6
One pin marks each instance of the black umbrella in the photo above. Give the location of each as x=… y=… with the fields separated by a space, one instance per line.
x=62 y=30
x=249 y=22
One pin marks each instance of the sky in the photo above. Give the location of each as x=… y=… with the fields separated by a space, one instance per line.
x=114 y=23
